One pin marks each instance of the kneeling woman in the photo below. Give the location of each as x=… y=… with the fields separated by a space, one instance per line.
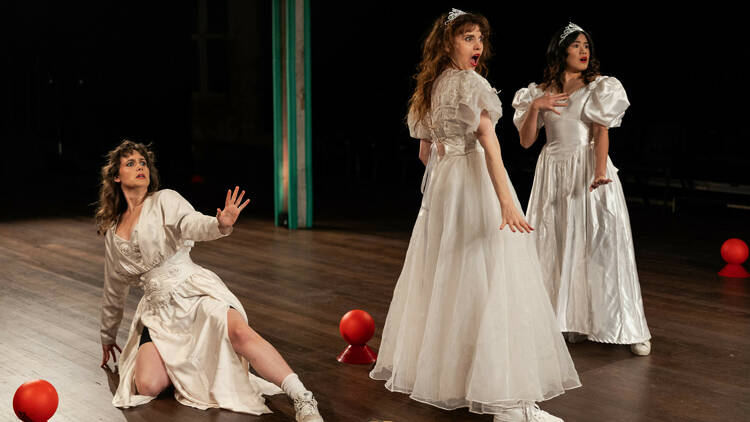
x=189 y=330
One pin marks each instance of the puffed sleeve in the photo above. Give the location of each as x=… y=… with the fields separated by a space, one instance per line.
x=475 y=95
x=607 y=103
x=184 y=222
x=115 y=291
x=417 y=129
x=521 y=103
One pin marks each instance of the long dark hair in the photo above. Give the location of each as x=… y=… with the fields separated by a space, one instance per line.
x=557 y=54
x=112 y=202
x=435 y=59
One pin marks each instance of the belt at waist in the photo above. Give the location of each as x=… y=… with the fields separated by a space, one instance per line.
x=564 y=148
x=440 y=149
x=159 y=281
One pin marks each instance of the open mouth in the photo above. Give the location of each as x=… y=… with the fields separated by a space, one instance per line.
x=140 y=176
x=584 y=59
x=475 y=60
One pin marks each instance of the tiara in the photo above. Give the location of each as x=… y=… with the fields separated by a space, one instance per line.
x=571 y=28
x=453 y=15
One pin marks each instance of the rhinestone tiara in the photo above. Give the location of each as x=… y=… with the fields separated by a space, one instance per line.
x=454 y=13
x=571 y=28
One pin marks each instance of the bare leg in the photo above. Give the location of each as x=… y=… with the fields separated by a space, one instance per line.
x=150 y=373
x=263 y=357
x=269 y=364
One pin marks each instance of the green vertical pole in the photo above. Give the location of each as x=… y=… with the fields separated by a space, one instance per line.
x=278 y=135
x=291 y=102
x=308 y=120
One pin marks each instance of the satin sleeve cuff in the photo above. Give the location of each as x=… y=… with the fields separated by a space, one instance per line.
x=607 y=103
x=522 y=102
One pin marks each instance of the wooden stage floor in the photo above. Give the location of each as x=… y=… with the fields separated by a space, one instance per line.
x=296 y=285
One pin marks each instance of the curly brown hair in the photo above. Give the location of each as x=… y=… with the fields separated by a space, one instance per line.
x=557 y=54
x=112 y=202
x=436 y=57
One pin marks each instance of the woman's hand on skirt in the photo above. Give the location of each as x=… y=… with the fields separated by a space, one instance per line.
x=514 y=220
x=599 y=181
x=107 y=350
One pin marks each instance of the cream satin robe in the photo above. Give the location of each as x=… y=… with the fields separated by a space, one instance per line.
x=184 y=306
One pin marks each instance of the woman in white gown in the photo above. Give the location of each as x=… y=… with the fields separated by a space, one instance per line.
x=189 y=330
x=577 y=205
x=470 y=323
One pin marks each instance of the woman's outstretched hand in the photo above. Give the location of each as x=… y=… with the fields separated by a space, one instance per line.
x=107 y=351
x=514 y=220
x=232 y=208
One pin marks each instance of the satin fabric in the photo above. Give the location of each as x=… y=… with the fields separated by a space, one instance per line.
x=470 y=323
x=184 y=306
x=584 y=238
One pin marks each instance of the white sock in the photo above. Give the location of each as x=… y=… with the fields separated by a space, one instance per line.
x=292 y=386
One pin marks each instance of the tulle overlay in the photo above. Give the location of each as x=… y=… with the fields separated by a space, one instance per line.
x=470 y=323
x=584 y=239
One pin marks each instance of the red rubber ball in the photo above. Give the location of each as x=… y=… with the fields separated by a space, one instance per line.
x=734 y=251
x=35 y=401
x=357 y=327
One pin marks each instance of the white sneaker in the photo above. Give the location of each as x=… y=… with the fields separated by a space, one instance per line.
x=641 y=349
x=307 y=408
x=539 y=415
x=527 y=412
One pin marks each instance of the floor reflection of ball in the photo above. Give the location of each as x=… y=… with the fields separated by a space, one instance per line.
x=357 y=327
x=734 y=251
x=35 y=401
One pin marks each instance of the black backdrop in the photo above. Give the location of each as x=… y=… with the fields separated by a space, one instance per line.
x=76 y=78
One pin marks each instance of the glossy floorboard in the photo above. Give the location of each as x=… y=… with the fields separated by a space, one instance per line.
x=295 y=287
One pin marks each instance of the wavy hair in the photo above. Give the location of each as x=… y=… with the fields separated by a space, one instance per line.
x=111 y=203
x=557 y=54
x=436 y=57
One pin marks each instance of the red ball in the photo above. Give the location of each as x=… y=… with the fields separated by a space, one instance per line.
x=35 y=401
x=734 y=251
x=357 y=327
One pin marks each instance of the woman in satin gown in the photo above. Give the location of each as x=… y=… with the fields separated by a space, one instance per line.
x=189 y=330
x=577 y=205
x=470 y=323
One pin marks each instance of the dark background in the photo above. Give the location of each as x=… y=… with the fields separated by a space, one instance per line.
x=194 y=78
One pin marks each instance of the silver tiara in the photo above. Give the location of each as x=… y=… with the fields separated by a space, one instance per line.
x=571 y=28
x=453 y=15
